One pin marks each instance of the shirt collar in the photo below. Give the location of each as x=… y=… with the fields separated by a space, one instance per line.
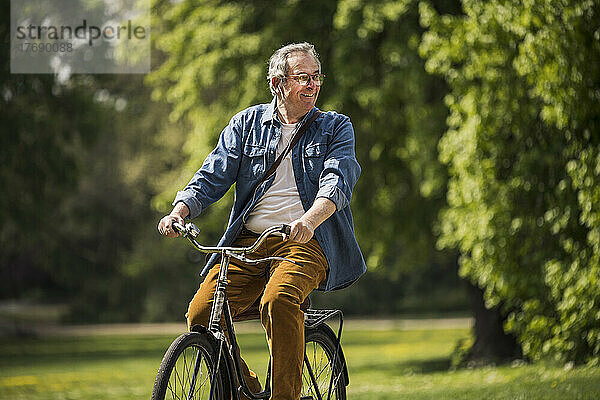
x=270 y=114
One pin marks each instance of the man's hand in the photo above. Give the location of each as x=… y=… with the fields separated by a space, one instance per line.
x=165 y=225
x=301 y=231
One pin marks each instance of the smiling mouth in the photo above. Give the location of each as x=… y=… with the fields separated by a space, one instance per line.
x=308 y=95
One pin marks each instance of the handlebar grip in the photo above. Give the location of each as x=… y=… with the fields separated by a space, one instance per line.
x=178 y=227
x=286 y=229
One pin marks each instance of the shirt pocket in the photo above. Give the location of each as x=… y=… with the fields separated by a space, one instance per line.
x=253 y=159
x=314 y=158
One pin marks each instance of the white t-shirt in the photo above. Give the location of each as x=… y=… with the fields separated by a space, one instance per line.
x=281 y=203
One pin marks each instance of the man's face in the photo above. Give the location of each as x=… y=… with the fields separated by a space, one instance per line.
x=299 y=99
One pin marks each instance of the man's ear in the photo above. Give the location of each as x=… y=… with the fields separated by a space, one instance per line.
x=276 y=82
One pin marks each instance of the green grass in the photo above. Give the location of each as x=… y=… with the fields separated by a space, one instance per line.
x=383 y=364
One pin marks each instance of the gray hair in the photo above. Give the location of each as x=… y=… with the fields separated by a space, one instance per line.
x=278 y=66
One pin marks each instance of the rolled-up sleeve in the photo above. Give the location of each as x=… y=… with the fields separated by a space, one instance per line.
x=217 y=174
x=340 y=168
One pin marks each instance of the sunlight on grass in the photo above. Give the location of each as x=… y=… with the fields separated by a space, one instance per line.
x=383 y=364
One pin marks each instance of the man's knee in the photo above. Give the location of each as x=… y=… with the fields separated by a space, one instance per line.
x=198 y=312
x=278 y=300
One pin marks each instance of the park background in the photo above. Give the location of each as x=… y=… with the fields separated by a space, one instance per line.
x=476 y=128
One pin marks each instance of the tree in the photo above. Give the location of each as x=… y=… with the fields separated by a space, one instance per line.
x=523 y=161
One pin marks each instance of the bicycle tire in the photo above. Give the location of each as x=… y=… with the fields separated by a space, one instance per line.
x=320 y=349
x=174 y=377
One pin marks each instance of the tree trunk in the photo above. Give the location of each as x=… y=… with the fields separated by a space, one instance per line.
x=492 y=344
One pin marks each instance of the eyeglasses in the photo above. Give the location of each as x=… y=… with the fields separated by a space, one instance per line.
x=304 y=78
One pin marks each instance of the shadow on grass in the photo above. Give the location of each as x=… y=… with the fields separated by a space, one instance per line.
x=424 y=366
x=20 y=352
x=525 y=386
x=441 y=364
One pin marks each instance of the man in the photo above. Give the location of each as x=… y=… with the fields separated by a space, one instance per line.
x=310 y=190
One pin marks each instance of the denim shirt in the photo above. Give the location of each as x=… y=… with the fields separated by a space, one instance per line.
x=324 y=165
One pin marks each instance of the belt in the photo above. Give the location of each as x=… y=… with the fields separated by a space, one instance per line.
x=248 y=232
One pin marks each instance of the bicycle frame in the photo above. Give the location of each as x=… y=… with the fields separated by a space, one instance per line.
x=220 y=309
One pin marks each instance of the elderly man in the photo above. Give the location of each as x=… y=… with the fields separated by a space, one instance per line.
x=310 y=190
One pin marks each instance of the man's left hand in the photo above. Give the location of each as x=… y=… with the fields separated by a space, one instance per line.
x=301 y=231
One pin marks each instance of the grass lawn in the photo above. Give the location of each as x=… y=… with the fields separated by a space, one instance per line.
x=388 y=363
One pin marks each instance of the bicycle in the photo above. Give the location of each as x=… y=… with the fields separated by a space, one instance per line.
x=205 y=363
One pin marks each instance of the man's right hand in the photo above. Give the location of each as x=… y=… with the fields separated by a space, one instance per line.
x=165 y=225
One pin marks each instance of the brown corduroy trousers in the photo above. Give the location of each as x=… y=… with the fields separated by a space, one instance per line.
x=283 y=287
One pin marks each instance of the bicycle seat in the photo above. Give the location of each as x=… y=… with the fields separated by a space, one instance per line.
x=253 y=311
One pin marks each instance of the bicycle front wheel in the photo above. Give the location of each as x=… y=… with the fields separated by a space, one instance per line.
x=187 y=370
x=317 y=371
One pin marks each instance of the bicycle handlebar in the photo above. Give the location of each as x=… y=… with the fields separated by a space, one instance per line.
x=191 y=232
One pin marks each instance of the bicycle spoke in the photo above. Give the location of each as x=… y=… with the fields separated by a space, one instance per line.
x=200 y=380
x=322 y=377
x=202 y=383
x=185 y=373
x=321 y=368
x=173 y=387
x=199 y=388
x=177 y=380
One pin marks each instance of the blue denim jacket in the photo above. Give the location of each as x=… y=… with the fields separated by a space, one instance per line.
x=324 y=166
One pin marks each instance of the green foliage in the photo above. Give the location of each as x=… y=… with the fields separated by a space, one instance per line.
x=80 y=159
x=398 y=115
x=107 y=217
x=79 y=174
x=46 y=126
x=524 y=164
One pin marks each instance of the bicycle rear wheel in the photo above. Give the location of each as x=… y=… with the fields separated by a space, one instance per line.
x=317 y=370
x=187 y=370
